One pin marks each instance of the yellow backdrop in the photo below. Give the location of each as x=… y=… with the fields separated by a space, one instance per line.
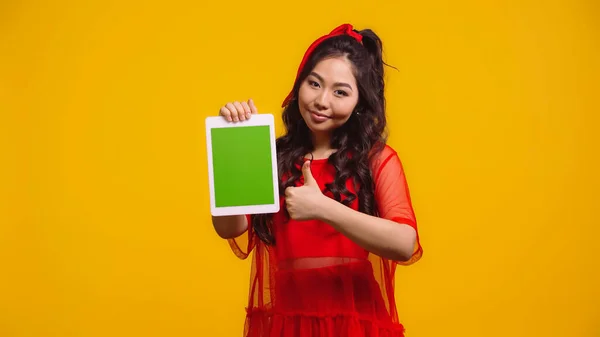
x=104 y=216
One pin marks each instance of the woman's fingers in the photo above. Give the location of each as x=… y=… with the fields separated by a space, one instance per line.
x=238 y=111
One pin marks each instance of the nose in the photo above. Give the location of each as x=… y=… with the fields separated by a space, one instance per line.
x=321 y=101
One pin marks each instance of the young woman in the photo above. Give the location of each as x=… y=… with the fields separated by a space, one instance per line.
x=324 y=265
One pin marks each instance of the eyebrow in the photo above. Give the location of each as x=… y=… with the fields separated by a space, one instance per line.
x=340 y=84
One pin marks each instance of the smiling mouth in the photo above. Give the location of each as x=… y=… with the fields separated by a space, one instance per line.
x=319 y=115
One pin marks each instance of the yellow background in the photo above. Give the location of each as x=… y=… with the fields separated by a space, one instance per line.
x=104 y=216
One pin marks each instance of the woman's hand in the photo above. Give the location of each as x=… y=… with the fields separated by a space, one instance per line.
x=238 y=111
x=305 y=202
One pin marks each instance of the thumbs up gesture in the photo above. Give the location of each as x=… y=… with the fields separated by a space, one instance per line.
x=304 y=202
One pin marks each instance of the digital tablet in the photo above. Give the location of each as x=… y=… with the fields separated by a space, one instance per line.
x=242 y=165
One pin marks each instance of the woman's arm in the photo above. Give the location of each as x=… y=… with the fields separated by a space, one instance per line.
x=386 y=238
x=230 y=227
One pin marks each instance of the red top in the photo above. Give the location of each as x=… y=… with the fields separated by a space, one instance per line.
x=315 y=282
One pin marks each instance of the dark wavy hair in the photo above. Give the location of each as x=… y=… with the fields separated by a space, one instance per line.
x=360 y=138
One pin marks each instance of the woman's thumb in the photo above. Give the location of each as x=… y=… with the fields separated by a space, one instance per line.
x=308 y=177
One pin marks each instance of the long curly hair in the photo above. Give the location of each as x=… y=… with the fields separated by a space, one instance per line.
x=360 y=138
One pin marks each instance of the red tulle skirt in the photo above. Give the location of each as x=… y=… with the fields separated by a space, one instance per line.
x=341 y=300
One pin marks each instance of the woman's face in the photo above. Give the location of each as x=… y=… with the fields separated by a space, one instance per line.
x=328 y=96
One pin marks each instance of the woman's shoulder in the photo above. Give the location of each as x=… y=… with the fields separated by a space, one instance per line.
x=386 y=160
x=382 y=153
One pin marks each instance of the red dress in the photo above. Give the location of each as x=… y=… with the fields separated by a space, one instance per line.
x=315 y=282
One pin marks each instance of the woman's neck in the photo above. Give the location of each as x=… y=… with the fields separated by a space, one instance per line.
x=321 y=146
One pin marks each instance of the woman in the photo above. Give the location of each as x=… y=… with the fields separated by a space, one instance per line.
x=324 y=265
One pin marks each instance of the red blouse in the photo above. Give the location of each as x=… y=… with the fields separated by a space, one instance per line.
x=315 y=282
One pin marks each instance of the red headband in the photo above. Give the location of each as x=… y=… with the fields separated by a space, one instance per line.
x=345 y=29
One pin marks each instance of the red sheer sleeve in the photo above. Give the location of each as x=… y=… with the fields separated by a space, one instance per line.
x=394 y=203
x=393 y=196
x=243 y=245
x=261 y=290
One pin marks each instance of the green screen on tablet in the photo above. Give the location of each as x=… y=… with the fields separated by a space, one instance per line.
x=242 y=166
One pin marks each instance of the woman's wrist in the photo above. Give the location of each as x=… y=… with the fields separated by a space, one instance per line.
x=326 y=209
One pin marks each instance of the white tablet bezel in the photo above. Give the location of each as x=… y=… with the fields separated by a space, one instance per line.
x=255 y=120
